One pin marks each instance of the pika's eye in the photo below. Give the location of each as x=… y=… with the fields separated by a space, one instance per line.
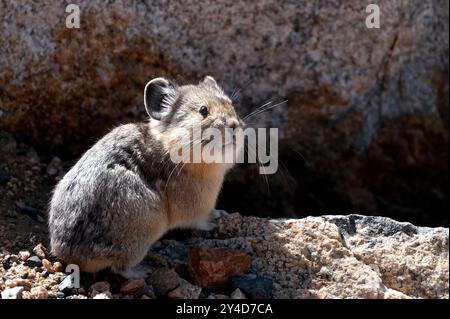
x=204 y=110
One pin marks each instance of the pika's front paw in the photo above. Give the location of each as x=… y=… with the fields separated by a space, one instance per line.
x=217 y=213
x=211 y=223
x=205 y=225
x=137 y=272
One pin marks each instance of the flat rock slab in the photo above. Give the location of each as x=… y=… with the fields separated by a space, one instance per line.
x=350 y=256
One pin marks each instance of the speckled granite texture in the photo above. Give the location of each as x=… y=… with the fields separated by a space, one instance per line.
x=351 y=256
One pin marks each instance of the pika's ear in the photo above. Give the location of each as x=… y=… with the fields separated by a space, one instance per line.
x=209 y=80
x=159 y=96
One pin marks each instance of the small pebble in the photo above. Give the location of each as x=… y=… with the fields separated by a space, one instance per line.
x=52 y=171
x=58 y=267
x=103 y=295
x=40 y=251
x=34 y=261
x=25 y=283
x=8 y=261
x=147 y=291
x=237 y=294
x=12 y=293
x=164 y=280
x=54 y=167
x=47 y=265
x=254 y=286
x=38 y=292
x=99 y=288
x=218 y=296
x=130 y=286
x=24 y=275
x=24 y=255
x=10 y=283
x=60 y=295
x=185 y=291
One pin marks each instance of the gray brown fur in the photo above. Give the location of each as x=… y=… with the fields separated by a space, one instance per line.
x=125 y=192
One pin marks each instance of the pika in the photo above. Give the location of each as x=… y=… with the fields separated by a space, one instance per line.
x=124 y=193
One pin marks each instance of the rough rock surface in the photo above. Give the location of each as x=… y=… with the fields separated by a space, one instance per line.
x=350 y=256
x=367 y=109
x=331 y=256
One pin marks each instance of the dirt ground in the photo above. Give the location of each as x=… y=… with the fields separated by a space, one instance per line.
x=25 y=189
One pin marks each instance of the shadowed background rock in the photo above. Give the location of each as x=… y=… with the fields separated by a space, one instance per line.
x=366 y=123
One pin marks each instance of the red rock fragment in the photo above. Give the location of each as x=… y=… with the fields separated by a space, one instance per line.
x=130 y=286
x=213 y=267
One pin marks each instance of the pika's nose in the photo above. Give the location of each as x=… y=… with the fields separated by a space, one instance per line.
x=232 y=123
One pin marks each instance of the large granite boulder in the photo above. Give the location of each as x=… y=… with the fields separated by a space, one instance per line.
x=351 y=256
x=366 y=122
